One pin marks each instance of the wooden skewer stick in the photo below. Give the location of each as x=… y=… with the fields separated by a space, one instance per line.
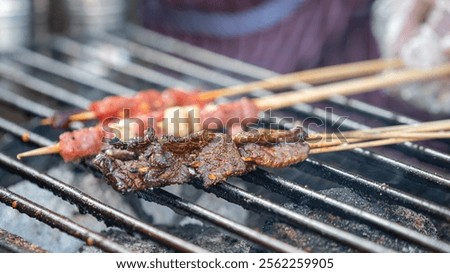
x=367 y=144
x=327 y=142
x=396 y=131
x=312 y=76
x=350 y=87
x=417 y=127
x=88 y=115
x=47 y=121
x=429 y=126
x=54 y=149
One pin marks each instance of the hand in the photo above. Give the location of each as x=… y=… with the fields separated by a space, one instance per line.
x=418 y=31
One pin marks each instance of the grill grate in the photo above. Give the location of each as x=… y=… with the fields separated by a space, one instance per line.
x=165 y=62
x=26 y=206
x=12 y=243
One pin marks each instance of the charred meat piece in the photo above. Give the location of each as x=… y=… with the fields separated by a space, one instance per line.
x=155 y=161
x=265 y=136
x=62 y=119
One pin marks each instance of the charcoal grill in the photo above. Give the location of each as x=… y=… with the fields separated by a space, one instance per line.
x=66 y=72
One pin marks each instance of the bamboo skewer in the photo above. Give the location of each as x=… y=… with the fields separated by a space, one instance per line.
x=418 y=127
x=367 y=144
x=396 y=131
x=54 y=149
x=87 y=115
x=83 y=116
x=327 y=142
x=312 y=76
x=410 y=132
x=351 y=87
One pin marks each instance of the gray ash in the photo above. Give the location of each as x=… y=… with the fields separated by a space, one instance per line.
x=207 y=237
x=45 y=236
x=308 y=240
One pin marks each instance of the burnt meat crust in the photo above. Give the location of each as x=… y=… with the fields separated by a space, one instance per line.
x=153 y=161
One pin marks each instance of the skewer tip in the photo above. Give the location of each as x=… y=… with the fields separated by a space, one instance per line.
x=53 y=149
x=88 y=115
x=47 y=121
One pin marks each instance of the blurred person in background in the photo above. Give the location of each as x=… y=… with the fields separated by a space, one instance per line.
x=280 y=35
x=292 y=35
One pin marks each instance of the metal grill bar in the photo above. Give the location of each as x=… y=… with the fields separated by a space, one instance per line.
x=294 y=191
x=200 y=55
x=426 y=154
x=192 y=210
x=7 y=70
x=57 y=221
x=170 y=62
x=17 y=130
x=75 y=49
x=375 y=188
x=42 y=62
x=411 y=171
x=101 y=211
x=371 y=110
x=21 y=102
x=236 y=195
x=13 y=243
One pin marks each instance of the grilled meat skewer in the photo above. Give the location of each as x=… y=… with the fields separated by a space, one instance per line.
x=212 y=157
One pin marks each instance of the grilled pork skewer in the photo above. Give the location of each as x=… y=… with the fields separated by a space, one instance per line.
x=144 y=102
x=153 y=161
x=90 y=141
x=151 y=100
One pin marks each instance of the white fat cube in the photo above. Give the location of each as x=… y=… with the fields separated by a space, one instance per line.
x=181 y=121
x=125 y=129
